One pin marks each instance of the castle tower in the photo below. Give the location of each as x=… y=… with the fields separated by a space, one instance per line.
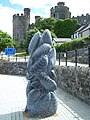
x=27 y=12
x=60 y=11
x=27 y=16
x=21 y=24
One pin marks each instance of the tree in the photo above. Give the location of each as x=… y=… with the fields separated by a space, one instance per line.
x=29 y=34
x=65 y=28
x=61 y=28
x=45 y=23
x=5 y=41
x=69 y=27
x=58 y=28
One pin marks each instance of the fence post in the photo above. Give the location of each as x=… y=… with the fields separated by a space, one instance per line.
x=89 y=55
x=25 y=57
x=8 y=58
x=75 y=57
x=59 y=58
x=66 y=57
x=16 y=58
x=1 y=56
x=13 y=57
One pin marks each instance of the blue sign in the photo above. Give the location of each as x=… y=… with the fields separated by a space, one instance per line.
x=10 y=51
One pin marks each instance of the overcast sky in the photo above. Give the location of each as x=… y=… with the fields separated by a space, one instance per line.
x=38 y=7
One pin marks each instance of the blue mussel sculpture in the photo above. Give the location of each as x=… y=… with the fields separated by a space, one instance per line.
x=41 y=99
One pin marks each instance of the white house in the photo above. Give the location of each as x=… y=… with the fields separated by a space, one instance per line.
x=82 y=32
x=60 y=40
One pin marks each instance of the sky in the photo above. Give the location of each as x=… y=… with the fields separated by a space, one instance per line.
x=38 y=7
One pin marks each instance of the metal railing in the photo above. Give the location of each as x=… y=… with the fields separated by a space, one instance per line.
x=14 y=58
x=66 y=58
x=61 y=57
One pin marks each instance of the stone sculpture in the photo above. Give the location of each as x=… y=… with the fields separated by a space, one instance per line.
x=41 y=99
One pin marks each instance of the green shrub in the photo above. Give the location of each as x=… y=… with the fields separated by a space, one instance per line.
x=73 y=44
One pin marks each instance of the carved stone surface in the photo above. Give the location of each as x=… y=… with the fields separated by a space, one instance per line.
x=41 y=100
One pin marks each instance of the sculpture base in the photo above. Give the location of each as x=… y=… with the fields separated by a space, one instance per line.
x=26 y=116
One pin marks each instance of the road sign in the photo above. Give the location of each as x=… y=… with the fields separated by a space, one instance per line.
x=10 y=51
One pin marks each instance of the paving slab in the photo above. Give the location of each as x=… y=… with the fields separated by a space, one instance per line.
x=12 y=93
x=13 y=102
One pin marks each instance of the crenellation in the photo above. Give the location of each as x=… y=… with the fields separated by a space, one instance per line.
x=17 y=14
x=56 y=7
x=51 y=8
x=67 y=7
x=61 y=3
x=83 y=19
x=14 y=15
x=22 y=14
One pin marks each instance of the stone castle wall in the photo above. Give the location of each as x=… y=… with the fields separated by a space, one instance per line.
x=83 y=19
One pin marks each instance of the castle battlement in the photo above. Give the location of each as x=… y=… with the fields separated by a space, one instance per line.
x=18 y=15
x=83 y=19
x=61 y=3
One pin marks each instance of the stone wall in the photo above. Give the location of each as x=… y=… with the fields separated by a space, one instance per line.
x=80 y=52
x=74 y=80
x=13 y=68
x=82 y=55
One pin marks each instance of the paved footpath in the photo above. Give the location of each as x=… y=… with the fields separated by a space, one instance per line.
x=12 y=93
x=13 y=102
x=71 y=64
